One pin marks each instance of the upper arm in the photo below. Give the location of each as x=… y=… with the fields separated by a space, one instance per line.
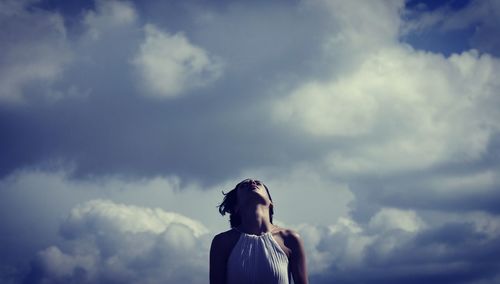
x=218 y=264
x=298 y=265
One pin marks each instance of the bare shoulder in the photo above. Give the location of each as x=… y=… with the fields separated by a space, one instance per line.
x=225 y=240
x=288 y=239
x=287 y=234
x=294 y=248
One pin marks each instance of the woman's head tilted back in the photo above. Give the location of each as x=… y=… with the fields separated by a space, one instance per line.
x=244 y=191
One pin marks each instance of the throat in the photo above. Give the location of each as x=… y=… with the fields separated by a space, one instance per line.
x=256 y=222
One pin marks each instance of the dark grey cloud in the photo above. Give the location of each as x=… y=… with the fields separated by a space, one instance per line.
x=104 y=125
x=449 y=188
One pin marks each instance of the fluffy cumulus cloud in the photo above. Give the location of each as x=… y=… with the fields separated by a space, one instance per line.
x=458 y=251
x=34 y=51
x=166 y=65
x=404 y=124
x=106 y=242
x=401 y=110
x=169 y=64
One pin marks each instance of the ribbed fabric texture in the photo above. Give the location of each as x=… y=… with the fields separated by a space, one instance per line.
x=257 y=260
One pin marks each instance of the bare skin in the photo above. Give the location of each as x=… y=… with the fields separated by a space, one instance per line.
x=253 y=205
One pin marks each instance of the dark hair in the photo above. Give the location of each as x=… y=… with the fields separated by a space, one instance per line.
x=230 y=201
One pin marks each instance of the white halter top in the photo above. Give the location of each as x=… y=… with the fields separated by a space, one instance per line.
x=257 y=259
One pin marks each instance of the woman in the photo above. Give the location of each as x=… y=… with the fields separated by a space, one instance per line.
x=255 y=250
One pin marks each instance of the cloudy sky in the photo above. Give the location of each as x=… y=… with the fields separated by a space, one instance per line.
x=375 y=124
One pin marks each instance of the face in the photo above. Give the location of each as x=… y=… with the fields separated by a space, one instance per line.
x=249 y=188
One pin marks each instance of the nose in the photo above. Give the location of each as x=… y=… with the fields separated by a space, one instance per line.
x=251 y=183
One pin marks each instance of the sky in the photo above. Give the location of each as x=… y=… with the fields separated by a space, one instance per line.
x=375 y=125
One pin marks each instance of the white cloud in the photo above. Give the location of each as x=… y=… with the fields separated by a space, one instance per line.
x=357 y=29
x=34 y=51
x=168 y=64
x=108 y=16
x=345 y=244
x=93 y=215
x=348 y=251
x=401 y=110
x=353 y=243
x=342 y=244
x=106 y=241
x=396 y=219
x=379 y=25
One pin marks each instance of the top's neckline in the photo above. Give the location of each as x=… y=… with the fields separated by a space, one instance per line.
x=253 y=235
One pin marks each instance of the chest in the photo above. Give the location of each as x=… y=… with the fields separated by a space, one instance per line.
x=257 y=259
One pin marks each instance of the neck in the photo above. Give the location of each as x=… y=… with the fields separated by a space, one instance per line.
x=255 y=220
